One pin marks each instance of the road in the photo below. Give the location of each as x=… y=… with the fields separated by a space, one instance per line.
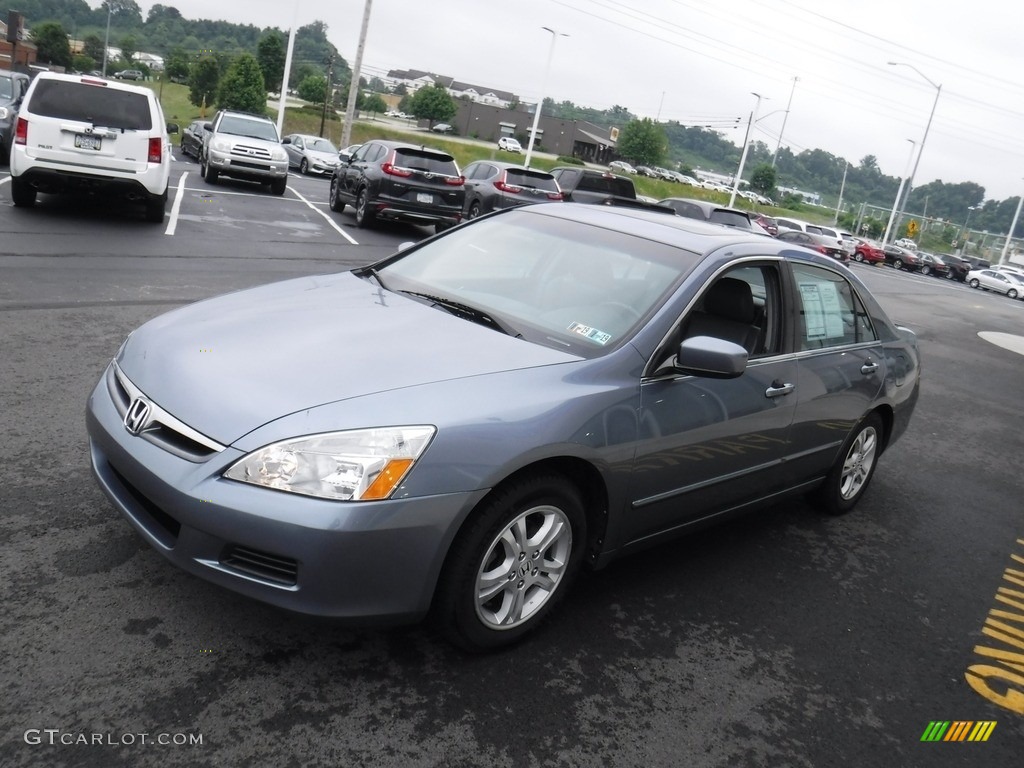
x=784 y=638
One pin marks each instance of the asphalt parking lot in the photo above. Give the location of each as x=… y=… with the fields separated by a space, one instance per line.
x=784 y=638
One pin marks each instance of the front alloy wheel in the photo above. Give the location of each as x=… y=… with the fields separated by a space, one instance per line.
x=363 y=216
x=335 y=202
x=974 y=282
x=511 y=563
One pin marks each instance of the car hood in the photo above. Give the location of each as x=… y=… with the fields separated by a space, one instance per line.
x=228 y=365
x=323 y=157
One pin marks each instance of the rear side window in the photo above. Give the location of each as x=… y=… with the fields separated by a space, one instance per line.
x=96 y=104
x=531 y=179
x=831 y=313
x=610 y=185
x=431 y=162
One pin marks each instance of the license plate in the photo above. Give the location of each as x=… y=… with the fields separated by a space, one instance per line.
x=85 y=141
x=424 y=197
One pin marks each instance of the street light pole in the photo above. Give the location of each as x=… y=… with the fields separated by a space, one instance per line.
x=920 y=151
x=963 y=230
x=784 y=119
x=746 y=147
x=899 y=194
x=1009 y=235
x=540 y=101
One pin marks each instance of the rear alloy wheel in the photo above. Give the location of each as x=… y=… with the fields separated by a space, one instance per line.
x=335 y=202
x=974 y=283
x=926 y=270
x=23 y=195
x=1012 y=293
x=852 y=472
x=363 y=216
x=304 y=167
x=474 y=210
x=858 y=256
x=512 y=562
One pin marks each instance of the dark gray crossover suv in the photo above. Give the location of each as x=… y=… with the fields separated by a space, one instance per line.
x=399 y=182
x=12 y=89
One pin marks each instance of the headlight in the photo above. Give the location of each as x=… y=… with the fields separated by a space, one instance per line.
x=278 y=154
x=220 y=145
x=359 y=465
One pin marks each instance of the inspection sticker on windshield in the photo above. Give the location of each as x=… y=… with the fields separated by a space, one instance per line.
x=599 y=337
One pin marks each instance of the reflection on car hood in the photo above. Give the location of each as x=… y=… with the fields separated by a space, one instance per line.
x=228 y=365
x=324 y=157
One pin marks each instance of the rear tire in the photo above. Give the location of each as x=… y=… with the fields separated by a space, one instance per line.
x=926 y=270
x=1012 y=293
x=22 y=195
x=511 y=563
x=849 y=477
x=474 y=210
x=974 y=283
x=155 y=208
x=898 y=264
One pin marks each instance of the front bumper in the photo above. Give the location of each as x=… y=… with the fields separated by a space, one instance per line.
x=254 y=169
x=368 y=562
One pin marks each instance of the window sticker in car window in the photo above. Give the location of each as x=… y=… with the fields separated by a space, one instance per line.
x=596 y=336
x=823 y=313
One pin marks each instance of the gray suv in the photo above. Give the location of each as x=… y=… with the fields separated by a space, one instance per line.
x=244 y=146
x=12 y=90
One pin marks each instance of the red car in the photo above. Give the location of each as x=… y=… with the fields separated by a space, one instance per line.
x=767 y=222
x=868 y=251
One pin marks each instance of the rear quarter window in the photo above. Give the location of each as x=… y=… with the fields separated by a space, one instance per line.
x=96 y=104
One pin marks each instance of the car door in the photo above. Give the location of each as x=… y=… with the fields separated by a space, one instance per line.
x=711 y=445
x=841 y=365
x=355 y=171
x=294 y=149
x=479 y=176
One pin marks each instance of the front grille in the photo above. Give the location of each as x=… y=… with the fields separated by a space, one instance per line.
x=243 y=150
x=261 y=565
x=166 y=528
x=243 y=164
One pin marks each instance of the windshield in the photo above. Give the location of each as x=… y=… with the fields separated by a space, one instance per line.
x=321 y=145
x=249 y=127
x=560 y=283
x=6 y=87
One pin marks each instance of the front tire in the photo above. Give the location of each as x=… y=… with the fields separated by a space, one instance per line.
x=208 y=173
x=1012 y=293
x=974 y=283
x=304 y=167
x=858 y=256
x=278 y=186
x=474 y=210
x=333 y=200
x=511 y=563
x=898 y=264
x=853 y=470
x=926 y=270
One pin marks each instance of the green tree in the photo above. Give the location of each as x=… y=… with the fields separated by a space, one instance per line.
x=270 y=54
x=643 y=141
x=92 y=46
x=83 y=63
x=177 y=65
x=242 y=87
x=129 y=47
x=313 y=89
x=52 y=44
x=300 y=72
x=123 y=13
x=432 y=103
x=762 y=180
x=204 y=81
x=373 y=104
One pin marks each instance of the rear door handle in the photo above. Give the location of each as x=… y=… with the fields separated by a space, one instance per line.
x=778 y=389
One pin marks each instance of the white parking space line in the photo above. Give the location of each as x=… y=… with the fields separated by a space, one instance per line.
x=5 y=179
x=327 y=218
x=172 y=223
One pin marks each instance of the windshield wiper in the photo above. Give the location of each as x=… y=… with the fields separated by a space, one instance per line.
x=466 y=312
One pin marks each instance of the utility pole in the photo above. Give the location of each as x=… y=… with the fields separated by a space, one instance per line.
x=353 y=86
x=328 y=93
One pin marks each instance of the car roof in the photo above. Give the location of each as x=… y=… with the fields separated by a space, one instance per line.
x=505 y=165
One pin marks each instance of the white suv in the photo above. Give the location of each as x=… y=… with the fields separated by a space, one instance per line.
x=509 y=144
x=83 y=135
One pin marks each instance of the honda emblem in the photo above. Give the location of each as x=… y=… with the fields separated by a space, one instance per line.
x=137 y=417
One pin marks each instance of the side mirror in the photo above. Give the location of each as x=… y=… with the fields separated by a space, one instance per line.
x=207 y=126
x=286 y=140
x=172 y=127
x=711 y=358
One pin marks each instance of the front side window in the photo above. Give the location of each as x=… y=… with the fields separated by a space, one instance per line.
x=831 y=314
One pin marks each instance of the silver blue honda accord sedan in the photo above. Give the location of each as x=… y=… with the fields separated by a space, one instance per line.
x=458 y=429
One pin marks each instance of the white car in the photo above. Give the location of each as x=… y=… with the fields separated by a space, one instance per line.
x=990 y=280
x=509 y=144
x=621 y=165
x=906 y=242
x=78 y=134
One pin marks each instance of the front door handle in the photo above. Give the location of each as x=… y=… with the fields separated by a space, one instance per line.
x=777 y=389
x=869 y=367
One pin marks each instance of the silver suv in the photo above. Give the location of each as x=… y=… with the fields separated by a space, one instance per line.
x=76 y=134
x=244 y=146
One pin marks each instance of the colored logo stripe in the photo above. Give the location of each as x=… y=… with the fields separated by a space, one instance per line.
x=958 y=730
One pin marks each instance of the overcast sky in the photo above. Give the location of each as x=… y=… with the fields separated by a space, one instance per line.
x=700 y=61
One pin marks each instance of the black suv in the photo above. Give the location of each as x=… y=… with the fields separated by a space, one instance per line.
x=400 y=182
x=492 y=185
